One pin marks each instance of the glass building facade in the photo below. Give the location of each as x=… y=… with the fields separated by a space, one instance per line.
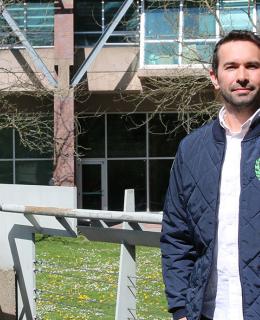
x=120 y=151
x=34 y=18
x=172 y=32
x=127 y=151
x=93 y=16
x=185 y=32
x=21 y=166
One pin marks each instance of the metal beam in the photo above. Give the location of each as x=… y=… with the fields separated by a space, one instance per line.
x=66 y=226
x=130 y=237
x=32 y=53
x=126 y=288
x=101 y=42
x=141 y=217
x=34 y=221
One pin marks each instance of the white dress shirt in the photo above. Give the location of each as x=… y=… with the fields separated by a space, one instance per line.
x=224 y=285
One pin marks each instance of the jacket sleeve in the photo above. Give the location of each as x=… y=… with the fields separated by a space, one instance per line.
x=178 y=253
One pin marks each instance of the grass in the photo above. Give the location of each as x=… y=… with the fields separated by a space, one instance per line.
x=77 y=279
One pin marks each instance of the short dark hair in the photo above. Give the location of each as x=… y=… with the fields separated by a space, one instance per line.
x=234 y=35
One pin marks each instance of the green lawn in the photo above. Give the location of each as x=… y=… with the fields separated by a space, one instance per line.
x=77 y=279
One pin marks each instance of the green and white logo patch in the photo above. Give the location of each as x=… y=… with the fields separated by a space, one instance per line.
x=257 y=168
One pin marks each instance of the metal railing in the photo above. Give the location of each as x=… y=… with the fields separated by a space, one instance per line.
x=99 y=226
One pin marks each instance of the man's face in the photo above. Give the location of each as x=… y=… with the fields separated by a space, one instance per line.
x=238 y=77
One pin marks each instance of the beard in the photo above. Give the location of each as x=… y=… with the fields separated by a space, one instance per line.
x=242 y=101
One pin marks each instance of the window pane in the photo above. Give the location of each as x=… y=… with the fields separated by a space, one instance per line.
x=197 y=120
x=161 y=53
x=6 y=144
x=88 y=15
x=128 y=37
x=162 y=19
x=130 y=20
x=197 y=53
x=40 y=23
x=165 y=133
x=6 y=172
x=88 y=144
x=7 y=35
x=33 y=172
x=88 y=22
x=126 y=136
x=17 y=12
x=126 y=174
x=159 y=179
x=36 y=18
x=24 y=152
x=198 y=22
x=91 y=186
x=235 y=15
x=86 y=39
x=40 y=38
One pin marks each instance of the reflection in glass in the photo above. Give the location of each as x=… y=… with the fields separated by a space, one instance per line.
x=33 y=172
x=234 y=15
x=6 y=143
x=83 y=39
x=165 y=133
x=161 y=20
x=130 y=20
x=126 y=174
x=88 y=15
x=159 y=179
x=161 y=53
x=198 y=119
x=6 y=172
x=121 y=37
x=197 y=53
x=35 y=18
x=92 y=17
x=24 y=152
x=126 y=135
x=91 y=140
x=198 y=22
x=39 y=19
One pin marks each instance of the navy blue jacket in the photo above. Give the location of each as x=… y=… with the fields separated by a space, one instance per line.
x=190 y=220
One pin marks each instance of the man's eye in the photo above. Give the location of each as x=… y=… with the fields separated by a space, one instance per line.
x=230 y=68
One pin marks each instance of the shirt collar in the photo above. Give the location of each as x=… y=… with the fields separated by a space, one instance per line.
x=244 y=127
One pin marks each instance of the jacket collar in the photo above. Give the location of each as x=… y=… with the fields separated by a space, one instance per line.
x=218 y=131
x=220 y=135
x=254 y=130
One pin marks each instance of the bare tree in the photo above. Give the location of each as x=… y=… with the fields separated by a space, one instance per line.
x=187 y=89
x=34 y=121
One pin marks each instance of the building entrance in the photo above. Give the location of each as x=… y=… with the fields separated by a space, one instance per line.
x=92 y=181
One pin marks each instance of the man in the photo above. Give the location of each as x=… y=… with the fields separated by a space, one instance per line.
x=211 y=224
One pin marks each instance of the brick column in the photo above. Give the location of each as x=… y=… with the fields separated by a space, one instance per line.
x=64 y=96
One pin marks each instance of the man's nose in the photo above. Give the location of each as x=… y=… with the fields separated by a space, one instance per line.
x=242 y=75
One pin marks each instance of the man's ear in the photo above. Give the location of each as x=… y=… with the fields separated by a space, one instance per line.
x=214 y=79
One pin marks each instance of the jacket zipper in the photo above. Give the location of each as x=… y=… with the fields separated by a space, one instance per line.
x=216 y=220
x=239 y=214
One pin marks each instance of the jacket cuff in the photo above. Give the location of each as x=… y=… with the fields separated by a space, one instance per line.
x=178 y=313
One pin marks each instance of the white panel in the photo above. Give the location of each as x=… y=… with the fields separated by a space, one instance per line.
x=17 y=240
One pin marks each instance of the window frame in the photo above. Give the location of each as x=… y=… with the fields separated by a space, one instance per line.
x=26 y=21
x=180 y=39
x=115 y=33
x=147 y=157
